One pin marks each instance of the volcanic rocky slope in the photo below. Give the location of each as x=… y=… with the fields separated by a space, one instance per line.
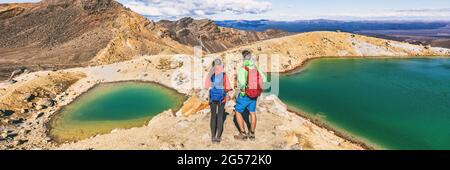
x=28 y=105
x=212 y=38
x=68 y=33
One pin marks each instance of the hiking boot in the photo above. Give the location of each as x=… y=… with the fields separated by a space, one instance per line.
x=218 y=140
x=215 y=140
x=240 y=136
x=251 y=135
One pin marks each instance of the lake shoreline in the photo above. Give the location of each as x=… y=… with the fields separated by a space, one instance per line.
x=341 y=132
x=128 y=73
x=58 y=112
x=337 y=142
x=304 y=63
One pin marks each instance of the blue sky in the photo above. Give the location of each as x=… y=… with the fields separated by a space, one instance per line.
x=290 y=9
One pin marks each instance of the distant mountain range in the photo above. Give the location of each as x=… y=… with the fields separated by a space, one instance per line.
x=434 y=33
x=329 y=25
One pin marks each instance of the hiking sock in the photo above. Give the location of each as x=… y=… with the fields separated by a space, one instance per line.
x=241 y=136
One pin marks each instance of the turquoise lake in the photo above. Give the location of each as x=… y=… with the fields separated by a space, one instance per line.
x=110 y=106
x=389 y=103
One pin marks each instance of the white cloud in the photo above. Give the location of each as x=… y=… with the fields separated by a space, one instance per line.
x=393 y=14
x=17 y=1
x=262 y=9
x=443 y=12
x=170 y=9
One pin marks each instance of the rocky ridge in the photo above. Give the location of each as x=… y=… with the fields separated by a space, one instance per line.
x=213 y=38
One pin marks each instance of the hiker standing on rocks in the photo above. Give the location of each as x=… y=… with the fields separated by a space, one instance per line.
x=218 y=84
x=250 y=81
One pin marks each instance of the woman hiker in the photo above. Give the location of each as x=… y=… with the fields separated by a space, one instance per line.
x=218 y=84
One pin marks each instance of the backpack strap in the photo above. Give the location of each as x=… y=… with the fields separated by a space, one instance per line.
x=223 y=74
x=248 y=75
x=223 y=81
x=213 y=79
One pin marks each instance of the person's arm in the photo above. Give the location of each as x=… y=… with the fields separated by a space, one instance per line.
x=242 y=79
x=207 y=82
x=226 y=86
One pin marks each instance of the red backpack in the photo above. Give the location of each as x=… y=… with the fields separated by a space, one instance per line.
x=254 y=83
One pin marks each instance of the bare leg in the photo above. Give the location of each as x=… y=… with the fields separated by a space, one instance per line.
x=240 y=121
x=253 y=121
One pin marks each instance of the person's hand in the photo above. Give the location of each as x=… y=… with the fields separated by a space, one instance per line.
x=224 y=99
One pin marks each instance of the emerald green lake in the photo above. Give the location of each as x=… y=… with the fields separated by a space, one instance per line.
x=110 y=106
x=389 y=103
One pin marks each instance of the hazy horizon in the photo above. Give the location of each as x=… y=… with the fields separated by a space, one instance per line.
x=289 y=10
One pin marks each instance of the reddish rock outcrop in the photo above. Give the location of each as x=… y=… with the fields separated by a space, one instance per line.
x=212 y=38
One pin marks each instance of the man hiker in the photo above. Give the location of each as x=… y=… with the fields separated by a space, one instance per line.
x=250 y=81
x=218 y=85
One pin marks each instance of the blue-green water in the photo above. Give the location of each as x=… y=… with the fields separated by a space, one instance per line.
x=393 y=103
x=110 y=106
